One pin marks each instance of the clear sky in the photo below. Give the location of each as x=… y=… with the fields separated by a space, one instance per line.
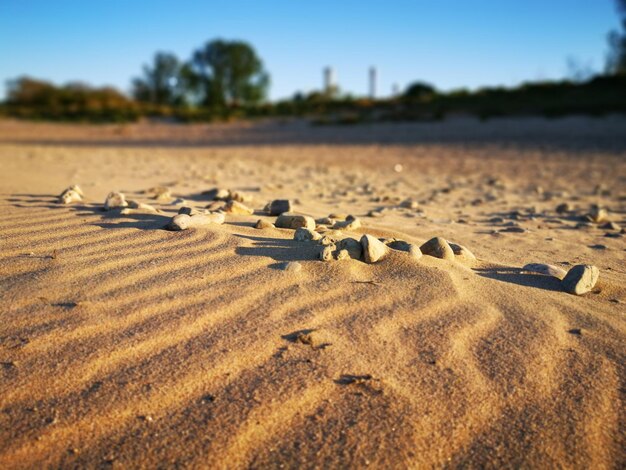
x=449 y=43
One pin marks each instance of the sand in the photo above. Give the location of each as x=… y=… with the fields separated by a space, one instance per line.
x=125 y=345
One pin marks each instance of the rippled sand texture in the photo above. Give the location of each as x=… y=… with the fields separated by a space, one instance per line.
x=126 y=345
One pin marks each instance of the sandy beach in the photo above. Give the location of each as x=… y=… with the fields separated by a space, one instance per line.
x=125 y=345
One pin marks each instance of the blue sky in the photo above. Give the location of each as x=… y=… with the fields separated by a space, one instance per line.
x=452 y=44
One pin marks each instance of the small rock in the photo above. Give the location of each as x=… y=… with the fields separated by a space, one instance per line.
x=115 y=200
x=305 y=235
x=563 y=208
x=279 y=206
x=141 y=206
x=326 y=253
x=326 y=240
x=597 y=215
x=184 y=221
x=513 y=230
x=546 y=269
x=189 y=210
x=261 y=224
x=348 y=224
x=71 y=194
x=437 y=247
x=343 y=255
x=462 y=252
x=217 y=194
x=291 y=266
x=160 y=193
x=352 y=246
x=373 y=249
x=238 y=208
x=401 y=245
x=580 y=279
x=293 y=221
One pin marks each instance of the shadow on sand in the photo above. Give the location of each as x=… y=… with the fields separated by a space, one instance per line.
x=522 y=278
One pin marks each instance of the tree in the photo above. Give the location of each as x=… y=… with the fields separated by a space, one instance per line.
x=161 y=82
x=418 y=91
x=616 y=63
x=228 y=73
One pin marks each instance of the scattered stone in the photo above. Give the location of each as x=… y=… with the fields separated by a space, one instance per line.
x=184 y=221
x=409 y=204
x=401 y=245
x=279 y=206
x=437 y=247
x=178 y=201
x=373 y=249
x=238 y=208
x=305 y=235
x=580 y=279
x=261 y=224
x=141 y=206
x=513 y=230
x=462 y=252
x=343 y=255
x=563 y=208
x=351 y=223
x=215 y=206
x=398 y=168
x=71 y=194
x=217 y=194
x=189 y=210
x=545 y=269
x=325 y=221
x=291 y=266
x=239 y=196
x=597 y=215
x=326 y=240
x=375 y=213
x=326 y=253
x=293 y=221
x=115 y=200
x=337 y=216
x=160 y=193
x=352 y=246
x=597 y=247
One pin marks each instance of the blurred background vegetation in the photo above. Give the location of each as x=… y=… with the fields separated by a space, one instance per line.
x=225 y=80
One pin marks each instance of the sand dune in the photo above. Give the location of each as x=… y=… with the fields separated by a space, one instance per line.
x=126 y=345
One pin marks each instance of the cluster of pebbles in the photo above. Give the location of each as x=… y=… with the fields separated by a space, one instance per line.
x=327 y=232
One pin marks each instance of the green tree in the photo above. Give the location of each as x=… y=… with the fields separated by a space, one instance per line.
x=227 y=73
x=616 y=63
x=419 y=91
x=161 y=81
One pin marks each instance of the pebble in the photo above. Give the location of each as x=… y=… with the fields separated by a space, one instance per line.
x=373 y=249
x=293 y=221
x=261 y=224
x=326 y=253
x=597 y=215
x=580 y=279
x=546 y=269
x=514 y=230
x=437 y=247
x=326 y=240
x=115 y=200
x=160 y=193
x=279 y=206
x=343 y=255
x=71 y=194
x=189 y=210
x=184 y=221
x=401 y=245
x=305 y=235
x=562 y=208
x=237 y=208
x=352 y=246
x=291 y=266
x=142 y=206
x=462 y=252
x=217 y=194
x=351 y=223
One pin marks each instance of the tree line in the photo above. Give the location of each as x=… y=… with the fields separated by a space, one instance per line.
x=227 y=79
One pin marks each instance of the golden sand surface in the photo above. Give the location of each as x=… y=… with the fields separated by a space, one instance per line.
x=128 y=346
